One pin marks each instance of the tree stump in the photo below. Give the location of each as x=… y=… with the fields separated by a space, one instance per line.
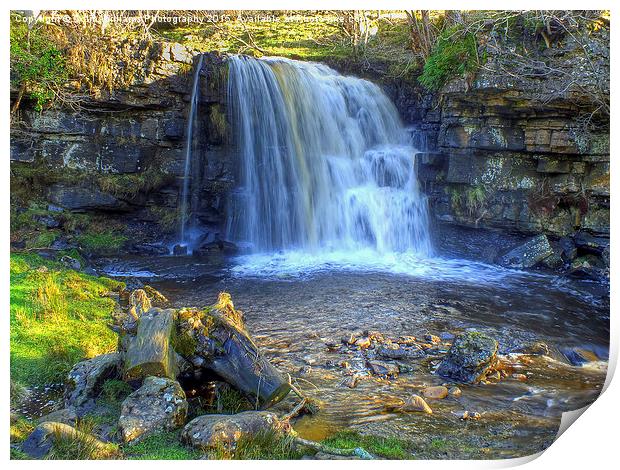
x=149 y=352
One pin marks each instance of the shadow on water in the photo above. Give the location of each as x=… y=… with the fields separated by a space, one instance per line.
x=293 y=314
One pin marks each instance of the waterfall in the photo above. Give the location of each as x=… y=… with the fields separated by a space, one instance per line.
x=325 y=164
x=185 y=208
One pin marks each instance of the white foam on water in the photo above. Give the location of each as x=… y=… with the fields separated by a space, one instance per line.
x=300 y=263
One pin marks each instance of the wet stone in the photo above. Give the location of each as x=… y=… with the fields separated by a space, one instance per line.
x=383 y=369
x=211 y=431
x=158 y=405
x=436 y=393
x=395 y=351
x=65 y=416
x=470 y=359
x=416 y=403
x=470 y=415
x=579 y=356
x=86 y=378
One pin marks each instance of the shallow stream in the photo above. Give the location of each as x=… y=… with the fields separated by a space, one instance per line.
x=295 y=310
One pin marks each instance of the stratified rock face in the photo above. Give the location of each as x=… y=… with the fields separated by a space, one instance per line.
x=86 y=378
x=158 y=405
x=82 y=198
x=507 y=155
x=134 y=135
x=210 y=431
x=529 y=254
x=470 y=358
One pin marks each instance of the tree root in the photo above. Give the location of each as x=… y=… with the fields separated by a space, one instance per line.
x=357 y=452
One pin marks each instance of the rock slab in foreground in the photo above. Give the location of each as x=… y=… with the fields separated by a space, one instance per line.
x=471 y=356
x=159 y=405
x=217 y=341
x=86 y=379
x=42 y=440
x=209 y=431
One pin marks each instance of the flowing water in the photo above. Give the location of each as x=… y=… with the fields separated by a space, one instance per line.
x=294 y=316
x=187 y=199
x=325 y=165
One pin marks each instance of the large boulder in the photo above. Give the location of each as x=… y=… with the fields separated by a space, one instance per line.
x=528 y=254
x=42 y=440
x=210 y=431
x=471 y=356
x=87 y=377
x=158 y=405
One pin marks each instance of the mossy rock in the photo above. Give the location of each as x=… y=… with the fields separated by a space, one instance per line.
x=471 y=357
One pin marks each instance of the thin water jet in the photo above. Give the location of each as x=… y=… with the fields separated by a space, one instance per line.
x=185 y=207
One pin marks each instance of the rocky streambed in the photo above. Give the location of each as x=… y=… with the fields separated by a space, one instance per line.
x=364 y=342
x=461 y=361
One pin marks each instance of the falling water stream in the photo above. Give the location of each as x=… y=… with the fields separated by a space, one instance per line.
x=325 y=164
x=185 y=208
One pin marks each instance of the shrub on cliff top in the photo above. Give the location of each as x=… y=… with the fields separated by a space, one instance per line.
x=38 y=67
x=455 y=54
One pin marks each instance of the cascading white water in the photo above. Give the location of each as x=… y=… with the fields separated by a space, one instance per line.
x=325 y=164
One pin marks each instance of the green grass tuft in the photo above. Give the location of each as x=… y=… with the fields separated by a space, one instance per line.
x=386 y=447
x=20 y=429
x=163 y=446
x=58 y=317
x=268 y=445
x=455 y=54
x=104 y=242
x=114 y=391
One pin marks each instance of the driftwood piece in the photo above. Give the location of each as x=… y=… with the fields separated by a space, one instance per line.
x=191 y=342
x=238 y=361
x=214 y=340
x=241 y=365
x=149 y=352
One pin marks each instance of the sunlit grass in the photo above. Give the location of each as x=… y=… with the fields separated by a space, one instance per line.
x=58 y=317
x=163 y=446
x=386 y=447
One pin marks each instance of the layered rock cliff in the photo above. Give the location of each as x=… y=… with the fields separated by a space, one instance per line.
x=518 y=154
x=502 y=156
x=121 y=155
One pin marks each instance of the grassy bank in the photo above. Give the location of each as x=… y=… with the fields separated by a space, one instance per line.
x=58 y=317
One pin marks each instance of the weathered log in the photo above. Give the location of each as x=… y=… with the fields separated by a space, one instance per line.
x=238 y=361
x=215 y=340
x=149 y=352
x=191 y=342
